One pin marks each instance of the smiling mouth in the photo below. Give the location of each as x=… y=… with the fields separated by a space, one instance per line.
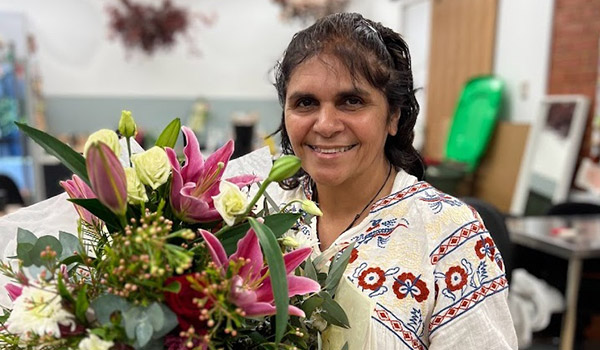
x=331 y=150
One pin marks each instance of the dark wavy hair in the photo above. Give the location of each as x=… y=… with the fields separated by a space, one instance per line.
x=368 y=50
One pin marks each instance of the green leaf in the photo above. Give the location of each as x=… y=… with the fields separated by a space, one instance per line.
x=63 y=291
x=25 y=236
x=94 y=206
x=155 y=314
x=40 y=246
x=310 y=304
x=168 y=137
x=279 y=284
x=67 y=156
x=280 y=223
x=23 y=250
x=333 y=312
x=169 y=323
x=309 y=270
x=73 y=259
x=345 y=347
x=143 y=333
x=173 y=287
x=70 y=244
x=337 y=268
x=106 y=304
x=81 y=304
x=230 y=237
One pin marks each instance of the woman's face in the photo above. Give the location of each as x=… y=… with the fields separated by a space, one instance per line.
x=337 y=126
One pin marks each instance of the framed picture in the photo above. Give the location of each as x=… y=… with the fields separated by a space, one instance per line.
x=552 y=148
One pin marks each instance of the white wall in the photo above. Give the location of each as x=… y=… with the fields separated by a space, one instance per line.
x=523 y=44
x=237 y=52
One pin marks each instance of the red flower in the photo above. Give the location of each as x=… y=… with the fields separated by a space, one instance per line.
x=456 y=278
x=406 y=283
x=353 y=255
x=182 y=303
x=485 y=246
x=371 y=278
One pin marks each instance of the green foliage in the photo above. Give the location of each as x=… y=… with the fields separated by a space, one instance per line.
x=168 y=137
x=274 y=258
x=67 y=156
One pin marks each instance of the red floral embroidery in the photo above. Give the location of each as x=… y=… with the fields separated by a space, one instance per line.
x=353 y=255
x=485 y=246
x=500 y=264
x=371 y=278
x=406 y=283
x=456 y=278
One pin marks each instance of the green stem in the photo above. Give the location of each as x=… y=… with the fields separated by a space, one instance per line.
x=261 y=190
x=290 y=203
x=129 y=150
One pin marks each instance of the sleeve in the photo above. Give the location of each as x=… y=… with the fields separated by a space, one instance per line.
x=471 y=309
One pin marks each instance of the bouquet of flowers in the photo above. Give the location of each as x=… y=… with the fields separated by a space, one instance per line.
x=168 y=255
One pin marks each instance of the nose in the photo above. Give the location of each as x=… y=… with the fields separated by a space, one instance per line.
x=328 y=122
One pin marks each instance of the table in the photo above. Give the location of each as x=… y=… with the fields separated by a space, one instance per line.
x=582 y=241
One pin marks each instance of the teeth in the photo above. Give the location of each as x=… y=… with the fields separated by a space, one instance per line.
x=332 y=150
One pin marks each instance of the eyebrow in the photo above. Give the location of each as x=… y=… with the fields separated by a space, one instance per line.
x=355 y=91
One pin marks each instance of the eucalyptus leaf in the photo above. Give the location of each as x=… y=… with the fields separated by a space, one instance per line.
x=168 y=137
x=131 y=319
x=169 y=322
x=40 y=245
x=279 y=284
x=107 y=304
x=70 y=244
x=67 y=156
x=23 y=250
x=337 y=268
x=25 y=236
x=143 y=333
x=156 y=316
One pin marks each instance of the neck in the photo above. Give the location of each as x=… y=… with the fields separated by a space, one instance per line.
x=346 y=205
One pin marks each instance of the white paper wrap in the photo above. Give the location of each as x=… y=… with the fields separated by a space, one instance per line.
x=57 y=214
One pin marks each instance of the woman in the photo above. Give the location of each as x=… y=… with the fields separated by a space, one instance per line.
x=424 y=272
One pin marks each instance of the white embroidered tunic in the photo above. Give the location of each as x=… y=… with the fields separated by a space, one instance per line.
x=426 y=267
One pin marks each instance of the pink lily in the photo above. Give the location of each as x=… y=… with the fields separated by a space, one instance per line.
x=251 y=288
x=107 y=177
x=197 y=181
x=76 y=188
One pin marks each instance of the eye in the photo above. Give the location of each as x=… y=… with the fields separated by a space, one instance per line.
x=353 y=102
x=305 y=102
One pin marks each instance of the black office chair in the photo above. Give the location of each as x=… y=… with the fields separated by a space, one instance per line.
x=10 y=191
x=494 y=221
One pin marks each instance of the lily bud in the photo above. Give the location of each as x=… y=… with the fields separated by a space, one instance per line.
x=127 y=125
x=106 y=136
x=107 y=177
x=311 y=208
x=284 y=167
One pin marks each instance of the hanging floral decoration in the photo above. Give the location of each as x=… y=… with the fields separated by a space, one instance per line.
x=310 y=9
x=150 y=27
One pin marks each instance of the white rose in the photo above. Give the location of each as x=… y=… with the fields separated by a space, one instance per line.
x=106 y=136
x=136 y=192
x=230 y=202
x=152 y=166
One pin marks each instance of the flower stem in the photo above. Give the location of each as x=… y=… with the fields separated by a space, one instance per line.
x=261 y=190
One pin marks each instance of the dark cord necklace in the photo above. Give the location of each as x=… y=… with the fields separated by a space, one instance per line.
x=371 y=201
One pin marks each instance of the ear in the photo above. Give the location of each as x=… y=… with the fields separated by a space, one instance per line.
x=393 y=124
